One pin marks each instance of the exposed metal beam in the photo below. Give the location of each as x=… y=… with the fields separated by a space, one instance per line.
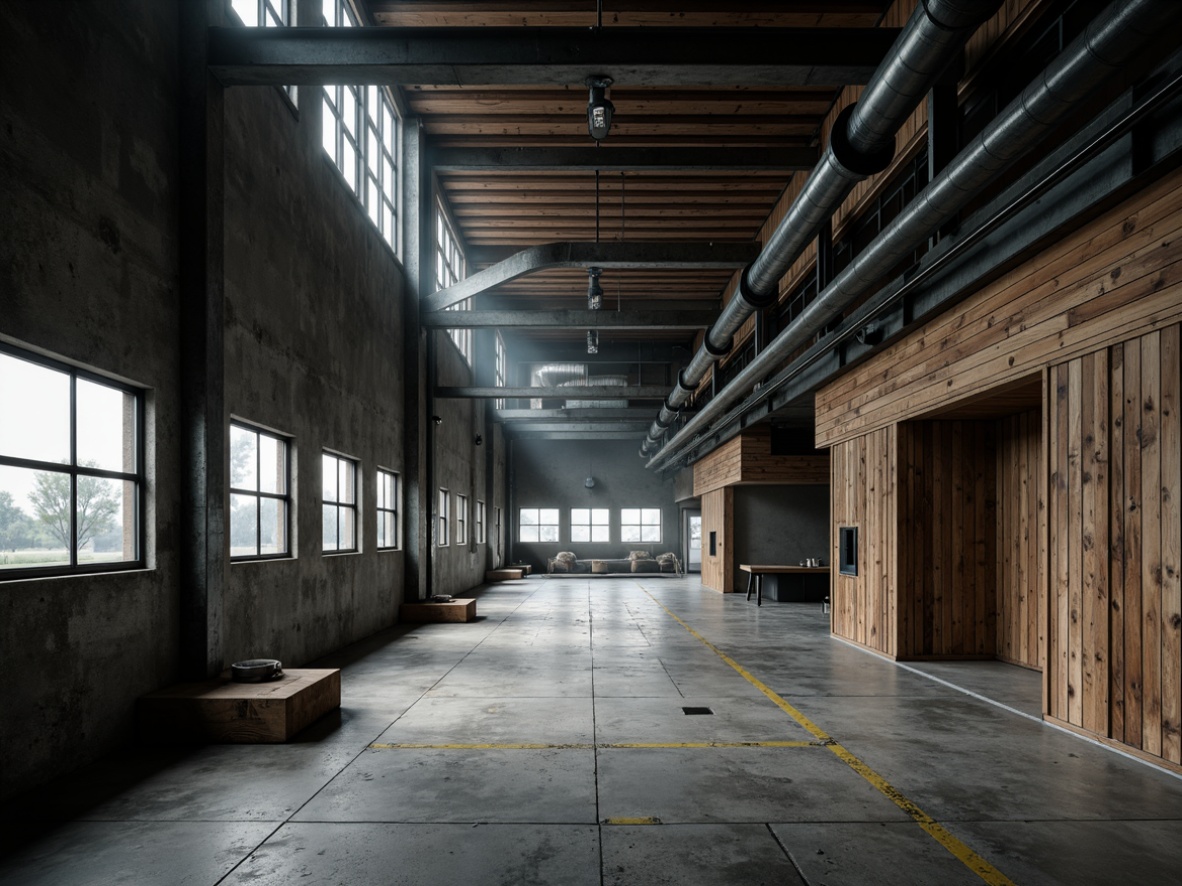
x=578 y=435
x=617 y=157
x=582 y=428
x=579 y=392
x=568 y=319
x=558 y=56
x=590 y=413
x=602 y=255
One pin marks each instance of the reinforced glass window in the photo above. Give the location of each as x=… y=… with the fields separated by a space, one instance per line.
x=449 y=270
x=267 y=14
x=590 y=524
x=338 y=480
x=360 y=134
x=443 y=518
x=640 y=524
x=538 y=524
x=501 y=368
x=260 y=503
x=387 y=510
x=461 y=519
x=481 y=532
x=71 y=469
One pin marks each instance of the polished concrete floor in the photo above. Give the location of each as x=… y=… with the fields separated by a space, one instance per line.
x=555 y=741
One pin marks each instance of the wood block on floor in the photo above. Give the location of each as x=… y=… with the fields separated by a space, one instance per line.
x=224 y=711
x=460 y=609
x=503 y=574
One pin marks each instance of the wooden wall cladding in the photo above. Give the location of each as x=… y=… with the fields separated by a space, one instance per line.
x=748 y=459
x=718 y=516
x=1115 y=512
x=1114 y=279
x=863 y=495
x=947 y=530
x=1021 y=541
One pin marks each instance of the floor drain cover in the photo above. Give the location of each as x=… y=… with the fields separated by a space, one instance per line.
x=690 y=711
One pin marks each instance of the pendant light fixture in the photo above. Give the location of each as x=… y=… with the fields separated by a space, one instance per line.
x=599 y=108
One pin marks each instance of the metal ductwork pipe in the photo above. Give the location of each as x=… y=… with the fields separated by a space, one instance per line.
x=861 y=144
x=1109 y=43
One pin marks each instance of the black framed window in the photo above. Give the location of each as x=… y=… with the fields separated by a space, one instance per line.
x=338 y=503
x=461 y=519
x=481 y=532
x=847 y=550
x=260 y=493
x=640 y=524
x=267 y=14
x=71 y=469
x=537 y=524
x=387 y=508
x=443 y=516
x=590 y=524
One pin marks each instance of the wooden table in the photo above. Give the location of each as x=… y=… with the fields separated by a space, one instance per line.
x=755 y=576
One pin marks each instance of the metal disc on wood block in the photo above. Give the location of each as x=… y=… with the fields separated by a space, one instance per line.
x=256 y=670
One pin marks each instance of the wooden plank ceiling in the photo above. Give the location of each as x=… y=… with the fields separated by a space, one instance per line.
x=499 y=211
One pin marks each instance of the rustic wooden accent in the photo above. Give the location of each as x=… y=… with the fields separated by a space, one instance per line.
x=718 y=516
x=1115 y=512
x=948 y=539
x=863 y=494
x=1021 y=541
x=458 y=610
x=1114 y=279
x=245 y=713
x=747 y=460
x=507 y=574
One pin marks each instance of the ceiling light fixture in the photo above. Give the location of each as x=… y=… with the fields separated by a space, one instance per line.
x=592 y=341
x=599 y=108
x=594 y=290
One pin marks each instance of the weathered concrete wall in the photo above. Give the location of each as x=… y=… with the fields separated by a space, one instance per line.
x=550 y=474
x=461 y=469
x=313 y=333
x=780 y=524
x=88 y=274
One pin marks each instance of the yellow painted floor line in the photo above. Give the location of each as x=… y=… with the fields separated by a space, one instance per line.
x=643 y=745
x=651 y=819
x=970 y=859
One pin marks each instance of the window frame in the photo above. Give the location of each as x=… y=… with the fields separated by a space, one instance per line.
x=641 y=525
x=73 y=470
x=481 y=517
x=461 y=519
x=393 y=508
x=557 y=524
x=354 y=506
x=443 y=518
x=384 y=170
x=450 y=269
x=591 y=526
x=285 y=497
x=284 y=17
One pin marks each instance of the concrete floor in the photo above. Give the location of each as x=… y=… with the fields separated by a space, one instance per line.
x=557 y=684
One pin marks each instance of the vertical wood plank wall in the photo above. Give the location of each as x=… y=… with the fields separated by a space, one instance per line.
x=718 y=516
x=1115 y=510
x=1021 y=541
x=947 y=549
x=863 y=495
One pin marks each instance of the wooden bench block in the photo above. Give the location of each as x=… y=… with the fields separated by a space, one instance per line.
x=504 y=574
x=227 y=712
x=463 y=609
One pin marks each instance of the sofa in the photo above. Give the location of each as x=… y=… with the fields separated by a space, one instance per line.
x=643 y=562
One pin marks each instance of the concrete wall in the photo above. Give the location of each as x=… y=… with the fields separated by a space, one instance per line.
x=780 y=524
x=460 y=468
x=313 y=326
x=88 y=274
x=550 y=474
